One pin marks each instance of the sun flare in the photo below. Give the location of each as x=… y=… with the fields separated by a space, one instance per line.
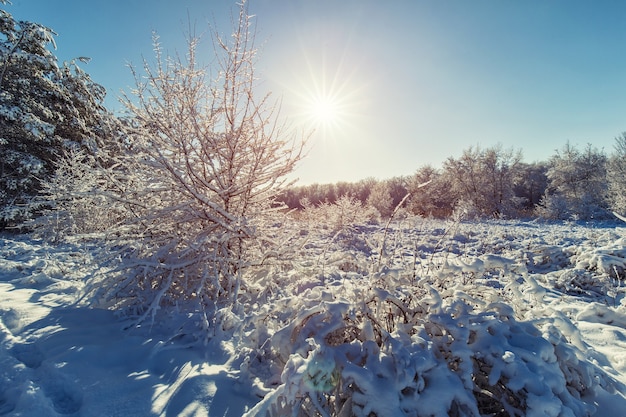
x=330 y=110
x=324 y=110
x=326 y=96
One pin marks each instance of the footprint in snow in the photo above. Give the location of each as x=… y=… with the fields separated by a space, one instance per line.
x=29 y=354
x=11 y=320
x=65 y=394
x=8 y=397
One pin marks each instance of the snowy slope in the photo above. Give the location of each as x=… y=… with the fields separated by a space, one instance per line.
x=58 y=357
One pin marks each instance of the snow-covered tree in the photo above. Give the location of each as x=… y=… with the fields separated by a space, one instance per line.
x=398 y=190
x=210 y=158
x=531 y=184
x=484 y=179
x=380 y=198
x=616 y=176
x=434 y=198
x=577 y=184
x=45 y=109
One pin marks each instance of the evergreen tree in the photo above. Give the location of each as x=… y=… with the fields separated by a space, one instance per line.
x=45 y=110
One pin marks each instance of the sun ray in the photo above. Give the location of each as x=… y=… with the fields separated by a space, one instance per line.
x=324 y=92
x=324 y=109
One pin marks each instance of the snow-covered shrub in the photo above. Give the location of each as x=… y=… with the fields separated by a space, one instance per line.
x=75 y=199
x=553 y=207
x=608 y=260
x=340 y=216
x=545 y=258
x=465 y=210
x=416 y=351
x=578 y=282
x=594 y=272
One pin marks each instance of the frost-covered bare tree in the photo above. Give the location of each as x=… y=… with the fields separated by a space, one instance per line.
x=484 y=179
x=380 y=198
x=210 y=157
x=577 y=184
x=433 y=199
x=531 y=184
x=616 y=176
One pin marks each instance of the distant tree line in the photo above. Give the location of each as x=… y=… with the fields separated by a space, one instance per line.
x=492 y=182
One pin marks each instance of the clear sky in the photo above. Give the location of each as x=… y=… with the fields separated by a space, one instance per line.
x=405 y=82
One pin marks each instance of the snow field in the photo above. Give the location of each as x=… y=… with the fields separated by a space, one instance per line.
x=58 y=358
x=429 y=318
x=485 y=323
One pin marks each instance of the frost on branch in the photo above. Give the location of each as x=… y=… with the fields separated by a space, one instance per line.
x=208 y=157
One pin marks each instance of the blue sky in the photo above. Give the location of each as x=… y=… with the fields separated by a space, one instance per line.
x=413 y=82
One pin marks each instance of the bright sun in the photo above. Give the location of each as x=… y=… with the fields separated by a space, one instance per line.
x=324 y=110
x=329 y=110
x=325 y=95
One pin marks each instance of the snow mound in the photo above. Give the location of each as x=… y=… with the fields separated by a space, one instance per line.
x=436 y=357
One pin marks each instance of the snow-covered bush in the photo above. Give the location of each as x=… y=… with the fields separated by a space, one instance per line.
x=579 y=282
x=411 y=350
x=340 y=216
x=465 y=210
x=554 y=207
x=596 y=273
x=546 y=258
x=608 y=260
x=75 y=200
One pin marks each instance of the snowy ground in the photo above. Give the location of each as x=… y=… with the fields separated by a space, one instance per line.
x=60 y=358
